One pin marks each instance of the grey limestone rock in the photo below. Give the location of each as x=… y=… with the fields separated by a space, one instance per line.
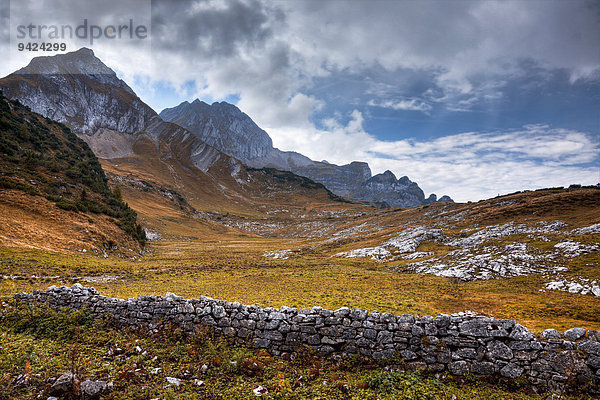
x=483 y=368
x=551 y=334
x=476 y=327
x=459 y=368
x=498 y=350
x=574 y=333
x=92 y=390
x=64 y=384
x=511 y=370
x=519 y=332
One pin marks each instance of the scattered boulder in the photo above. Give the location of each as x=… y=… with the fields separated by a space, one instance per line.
x=259 y=391
x=173 y=381
x=92 y=390
x=64 y=384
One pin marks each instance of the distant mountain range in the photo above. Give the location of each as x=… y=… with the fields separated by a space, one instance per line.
x=228 y=129
x=79 y=90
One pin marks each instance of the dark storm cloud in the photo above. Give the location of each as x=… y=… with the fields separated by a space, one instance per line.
x=209 y=29
x=460 y=40
x=73 y=12
x=4 y=21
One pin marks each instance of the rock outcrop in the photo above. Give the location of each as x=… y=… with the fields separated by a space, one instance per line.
x=343 y=180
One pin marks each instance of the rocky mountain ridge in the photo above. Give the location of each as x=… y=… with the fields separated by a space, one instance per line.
x=78 y=89
x=228 y=129
x=132 y=141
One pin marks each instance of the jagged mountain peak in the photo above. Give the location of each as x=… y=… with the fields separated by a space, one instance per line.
x=198 y=108
x=80 y=62
x=404 y=181
x=224 y=126
x=387 y=177
x=78 y=89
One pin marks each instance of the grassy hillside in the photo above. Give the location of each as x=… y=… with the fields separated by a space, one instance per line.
x=40 y=157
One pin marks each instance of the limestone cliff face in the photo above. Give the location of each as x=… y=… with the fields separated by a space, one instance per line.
x=386 y=188
x=228 y=129
x=343 y=180
x=223 y=126
x=79 y=90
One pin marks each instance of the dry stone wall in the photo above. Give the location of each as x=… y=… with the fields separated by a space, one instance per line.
x=459 y=344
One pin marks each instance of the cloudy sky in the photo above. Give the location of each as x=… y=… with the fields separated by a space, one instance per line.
x=468 y=98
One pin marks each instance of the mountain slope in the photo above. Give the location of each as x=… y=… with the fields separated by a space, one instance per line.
x=136 y=145
x=227 y=128
x=42 y=158
x=79 y=90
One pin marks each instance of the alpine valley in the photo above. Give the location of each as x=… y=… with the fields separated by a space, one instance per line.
x=98 y=188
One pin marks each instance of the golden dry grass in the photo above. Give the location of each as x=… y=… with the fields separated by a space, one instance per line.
x=200 y=256
x=235 y=271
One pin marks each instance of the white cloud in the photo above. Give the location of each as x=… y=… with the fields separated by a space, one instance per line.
x=405 y=104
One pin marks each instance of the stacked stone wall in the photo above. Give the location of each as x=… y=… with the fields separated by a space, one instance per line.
x=458 y=344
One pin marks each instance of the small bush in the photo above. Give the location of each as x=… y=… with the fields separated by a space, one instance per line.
x=67 y=205
x=41 y=321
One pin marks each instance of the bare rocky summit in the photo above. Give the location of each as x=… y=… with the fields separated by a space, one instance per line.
x=79 y=90
x=227 y=128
